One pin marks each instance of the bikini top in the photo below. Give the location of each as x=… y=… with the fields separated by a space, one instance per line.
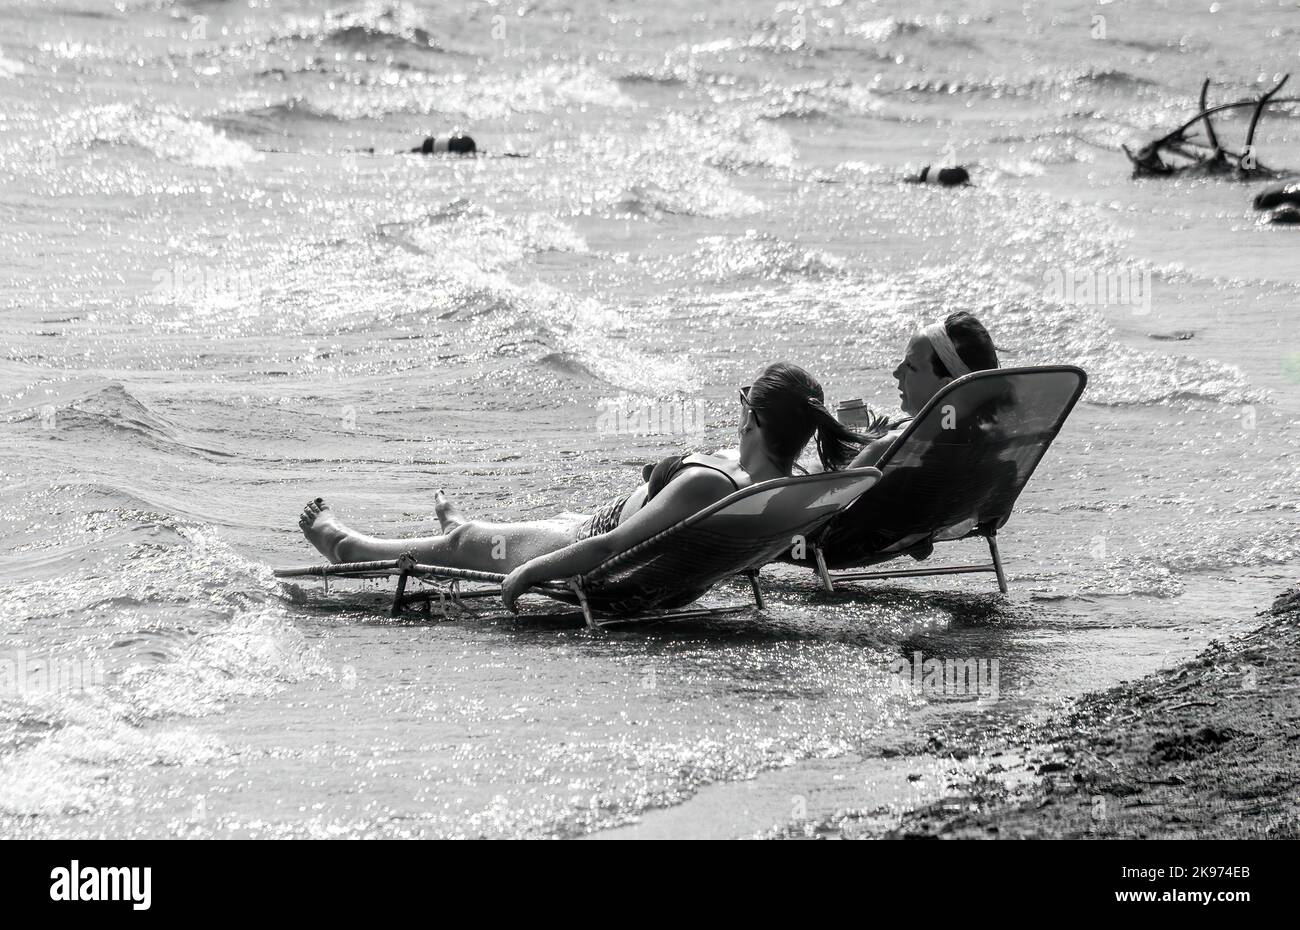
x=658 y=475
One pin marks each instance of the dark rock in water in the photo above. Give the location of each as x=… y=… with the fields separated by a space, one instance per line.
x=1287 y=216
x=950 y=177
x=459 y=144
x=944 y=177
x=1279 y=195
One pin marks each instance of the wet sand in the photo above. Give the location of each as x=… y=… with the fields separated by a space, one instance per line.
x=1209 y=749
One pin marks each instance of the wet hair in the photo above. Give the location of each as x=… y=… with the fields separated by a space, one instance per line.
x=790 y=406
x=972 y=342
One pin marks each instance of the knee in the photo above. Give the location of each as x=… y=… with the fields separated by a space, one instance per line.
x=460 y=535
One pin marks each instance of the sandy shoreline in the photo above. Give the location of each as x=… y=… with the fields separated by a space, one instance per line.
x=1206 y=750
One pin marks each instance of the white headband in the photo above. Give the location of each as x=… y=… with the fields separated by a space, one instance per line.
x=937 y=333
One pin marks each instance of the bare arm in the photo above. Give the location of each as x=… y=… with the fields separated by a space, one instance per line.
x=873 y=450
x=687 y=494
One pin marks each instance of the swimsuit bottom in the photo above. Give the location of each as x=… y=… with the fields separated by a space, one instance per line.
x=656 y=477
x=603 y=520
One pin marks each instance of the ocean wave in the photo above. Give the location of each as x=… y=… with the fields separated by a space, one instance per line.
x=588 y=337
x=70 y=770
x=662 y=184
x=662 y=75
x=180 y=625
x=362 y=37
x=463 y=231
x=1053 y=147
x=10 y=68
x=107 y=410
x=882 y=30
x=468 y=97
x=159 y=131
x=1031 y=86
x=270 y=119
x=757 y=255
x=374 y=26
x=474 y=252
x=651 y=199
x=729 y=139
x=821 y=99
x=1110 y=77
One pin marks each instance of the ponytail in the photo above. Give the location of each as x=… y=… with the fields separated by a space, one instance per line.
x=836 y=443
x=792 y=407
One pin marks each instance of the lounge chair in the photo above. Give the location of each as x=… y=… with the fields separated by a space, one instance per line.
x=954 y=473
x=658 y=578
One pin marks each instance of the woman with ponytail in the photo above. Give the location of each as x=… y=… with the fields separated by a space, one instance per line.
x=779 y=414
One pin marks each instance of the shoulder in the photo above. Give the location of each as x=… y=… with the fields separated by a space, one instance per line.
x=729 y=468
x=705 y=478
x=700 y=486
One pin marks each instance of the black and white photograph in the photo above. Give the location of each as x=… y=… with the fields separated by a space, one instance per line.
x=600 y=419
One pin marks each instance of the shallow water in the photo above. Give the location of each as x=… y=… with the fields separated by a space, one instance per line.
x=215 y=306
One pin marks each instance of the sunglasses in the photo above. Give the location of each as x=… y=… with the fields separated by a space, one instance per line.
x=744 y=399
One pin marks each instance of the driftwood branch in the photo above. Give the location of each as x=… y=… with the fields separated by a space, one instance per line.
x=1148 y=160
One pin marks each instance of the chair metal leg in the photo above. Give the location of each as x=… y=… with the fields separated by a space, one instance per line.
x=758 y=592
x=822 y=571
x=997 y=562
x=401 y=591
x=576 y=584
x=828 y=580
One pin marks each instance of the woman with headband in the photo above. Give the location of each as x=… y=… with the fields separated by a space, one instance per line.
x=937 y=354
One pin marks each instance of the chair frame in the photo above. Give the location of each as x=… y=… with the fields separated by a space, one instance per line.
x=989 y=532
x=828 y=578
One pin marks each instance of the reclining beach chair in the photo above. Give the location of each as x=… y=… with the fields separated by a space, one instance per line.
x=954 y=473
x=657 y=578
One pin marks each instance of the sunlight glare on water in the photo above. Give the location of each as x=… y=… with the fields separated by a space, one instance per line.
x=225 y=292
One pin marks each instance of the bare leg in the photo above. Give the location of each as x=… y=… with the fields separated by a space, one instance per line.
x=472 y=544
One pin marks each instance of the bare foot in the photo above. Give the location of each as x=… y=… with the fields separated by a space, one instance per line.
x=448 y=515
x=322 y=529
